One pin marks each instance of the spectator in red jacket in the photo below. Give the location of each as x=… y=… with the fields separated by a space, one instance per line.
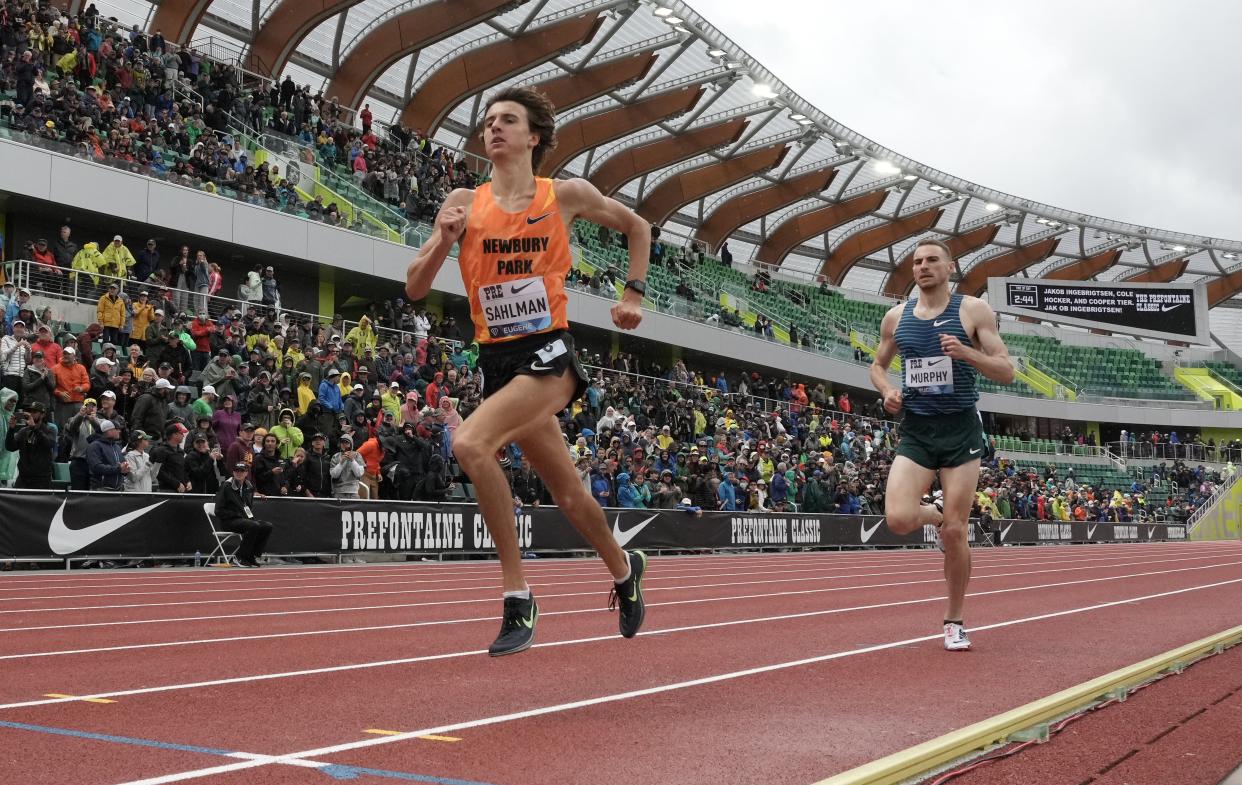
x=201 y=330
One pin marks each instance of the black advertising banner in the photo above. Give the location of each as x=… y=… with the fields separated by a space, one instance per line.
x=77 y=525
x=1176 y=311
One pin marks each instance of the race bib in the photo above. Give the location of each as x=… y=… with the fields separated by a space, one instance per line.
x=515 y=307
x=930 y=375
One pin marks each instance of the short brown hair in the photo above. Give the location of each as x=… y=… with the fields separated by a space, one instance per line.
x=948 y=252
x=540 y=116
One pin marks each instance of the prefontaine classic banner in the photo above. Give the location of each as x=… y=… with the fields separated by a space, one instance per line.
x=44 y=524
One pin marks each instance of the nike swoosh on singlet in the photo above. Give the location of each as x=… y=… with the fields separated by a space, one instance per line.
x=63 y=540
x=516 y=289
x=940 y=324
x=530 y=221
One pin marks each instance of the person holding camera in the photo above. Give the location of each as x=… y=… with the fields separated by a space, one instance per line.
x=347 y=469
x=14 y=357
x=235 y=513
x=33 y=438
x=269 y=469
x=204 y=464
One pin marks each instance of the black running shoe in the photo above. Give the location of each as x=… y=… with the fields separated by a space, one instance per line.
x=630 y=596
x=517 y=629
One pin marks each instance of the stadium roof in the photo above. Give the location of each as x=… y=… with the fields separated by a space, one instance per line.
x=661 y=109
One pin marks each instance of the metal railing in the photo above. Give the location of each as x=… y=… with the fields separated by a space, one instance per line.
x=1164 y=451
x=1218 y=494
x=395 y=337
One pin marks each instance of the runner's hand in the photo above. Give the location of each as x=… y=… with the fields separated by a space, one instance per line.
x=627 y=314
x=451 y=222
x=952 y=347
x=892 y=401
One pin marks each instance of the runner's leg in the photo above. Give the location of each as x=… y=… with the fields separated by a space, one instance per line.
x=903 y=508
x=545 y=448
x=510 y=414
x=959 y=484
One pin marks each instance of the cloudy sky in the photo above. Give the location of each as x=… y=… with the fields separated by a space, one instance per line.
x=1120 y=110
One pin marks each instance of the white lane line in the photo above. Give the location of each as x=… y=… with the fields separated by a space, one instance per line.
x=593 y=576
x=936 y=568
x=442 y=622
x=491 y=598
x=308 y=572
x=376 y=741
x=594 y=639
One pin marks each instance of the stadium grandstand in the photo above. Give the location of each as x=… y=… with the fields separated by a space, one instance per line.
x=207 y=210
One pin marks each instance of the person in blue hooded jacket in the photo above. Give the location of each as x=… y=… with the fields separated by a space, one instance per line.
x=105 y=459
x=727 y=494
x=330 y=392
x=628 y=494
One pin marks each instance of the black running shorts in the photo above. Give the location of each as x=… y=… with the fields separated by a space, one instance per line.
x=543 y=354
x=941 y=441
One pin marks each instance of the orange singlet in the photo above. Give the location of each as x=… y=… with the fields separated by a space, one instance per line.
x=514 y=265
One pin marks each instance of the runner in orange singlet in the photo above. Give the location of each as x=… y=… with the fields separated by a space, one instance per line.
x=514 y=256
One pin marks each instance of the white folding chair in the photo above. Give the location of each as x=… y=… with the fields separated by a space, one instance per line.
x=222 y=537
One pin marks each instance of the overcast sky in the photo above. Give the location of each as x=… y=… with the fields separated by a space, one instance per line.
x=1117 y=109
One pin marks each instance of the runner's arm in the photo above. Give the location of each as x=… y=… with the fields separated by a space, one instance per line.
x=449 y=226
x=884 y=354
x=585 y=201
x=991 y=358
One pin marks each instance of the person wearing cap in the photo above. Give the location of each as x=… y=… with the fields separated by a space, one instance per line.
x=330 y=392
x=144 y=321
x=110 y=313
x=100 y=376
x=38 y=381
x=72 y=385
x=105 y=459
x=204 y=463
x=173 y=476
x=261 y=402
x=33 y=438
x=219 y=374
x=64 y=248
x=235 y=513
x=147 y=261
x=355 y=403
x=205 y=404
x=242 y=449
x=15 y=354
x=347 y=469
x=150 y=412
x=271 y=289
x=315 y=473
x=117 y=259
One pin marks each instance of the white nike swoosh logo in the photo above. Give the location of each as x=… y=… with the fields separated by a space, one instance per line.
x=1005 y=531
x=623 y=537
x=1091 y=531
x=1167 y=308
x=539 y=367
x=941 y=324
x=866 y=533
x=63 y=540
x=976 y=451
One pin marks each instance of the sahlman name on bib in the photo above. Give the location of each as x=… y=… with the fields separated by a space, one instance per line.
x=381 y=530
x=518 y=310
x=773 y=531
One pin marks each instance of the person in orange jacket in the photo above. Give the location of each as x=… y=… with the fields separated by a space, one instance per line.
x=371 y=452
x=72 y=385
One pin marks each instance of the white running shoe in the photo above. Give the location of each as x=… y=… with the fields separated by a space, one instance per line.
x=955 y=638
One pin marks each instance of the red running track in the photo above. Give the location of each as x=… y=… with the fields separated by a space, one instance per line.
x=774 y=668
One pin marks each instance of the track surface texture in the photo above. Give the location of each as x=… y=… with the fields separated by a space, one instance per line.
x=758 y=668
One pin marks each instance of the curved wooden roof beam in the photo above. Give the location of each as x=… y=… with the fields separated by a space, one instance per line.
x=1083 y=269
x=901 y=280
x=854 y=248
x=478 y=69
x=685 y=187
x=1161 y=273
x=400 y=35
x=177 y=19
x=591 y=131
x=1223 y=288
x=744 y=208
x=799 y=228
x=633 y=162
x=573 y=90
x=976 y=279
x=285 y=27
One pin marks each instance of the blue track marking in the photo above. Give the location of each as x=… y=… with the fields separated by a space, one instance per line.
x=336 y=771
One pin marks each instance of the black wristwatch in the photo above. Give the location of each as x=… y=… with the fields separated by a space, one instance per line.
x=638 y=286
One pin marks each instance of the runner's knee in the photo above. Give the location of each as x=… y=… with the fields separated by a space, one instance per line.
x=953 y=532
x=902 y=515
x=469 y=449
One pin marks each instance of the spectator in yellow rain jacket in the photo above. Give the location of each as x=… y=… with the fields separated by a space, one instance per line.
x=117 y=260
x=306 y=394
x=144 y=314
x=362 y=337
x=88 y=260
x=110 y=313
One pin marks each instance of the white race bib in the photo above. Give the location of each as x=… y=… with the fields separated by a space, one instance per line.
x=930 y=375
x=515 y=307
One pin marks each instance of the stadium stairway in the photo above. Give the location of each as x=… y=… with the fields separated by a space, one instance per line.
x=1204 y=384
x=1221 y=518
